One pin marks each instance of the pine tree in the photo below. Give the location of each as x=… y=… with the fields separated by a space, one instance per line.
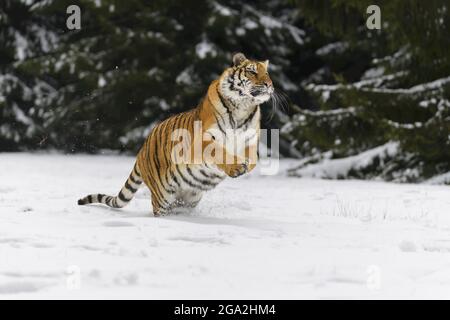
x=23 y=36
x=389 y=114
x=132 y=64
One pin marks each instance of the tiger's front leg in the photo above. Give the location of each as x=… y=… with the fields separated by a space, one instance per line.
x=252 y=156
x=241 y=165
x=236 y=169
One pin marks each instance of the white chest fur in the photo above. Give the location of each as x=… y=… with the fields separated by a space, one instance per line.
x=236 y=130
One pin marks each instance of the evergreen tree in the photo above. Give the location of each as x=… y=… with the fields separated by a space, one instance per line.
x=23 y=36
x=376 y=100
x=132 y=64
x=392 y=107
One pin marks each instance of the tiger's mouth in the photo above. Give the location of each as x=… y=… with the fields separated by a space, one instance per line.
x=259 y=92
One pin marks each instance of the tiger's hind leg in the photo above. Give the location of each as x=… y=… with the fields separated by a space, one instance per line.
x=162 y=203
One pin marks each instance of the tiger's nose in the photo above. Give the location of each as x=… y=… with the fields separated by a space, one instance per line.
x=269 y=86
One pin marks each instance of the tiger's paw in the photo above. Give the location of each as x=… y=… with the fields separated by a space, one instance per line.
x=237 y=170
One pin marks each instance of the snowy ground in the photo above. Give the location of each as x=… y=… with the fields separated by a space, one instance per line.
x=255 y=237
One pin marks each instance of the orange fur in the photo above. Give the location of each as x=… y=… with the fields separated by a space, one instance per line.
x=164 y=178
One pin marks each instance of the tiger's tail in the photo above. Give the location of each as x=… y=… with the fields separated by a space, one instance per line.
x=125 y=195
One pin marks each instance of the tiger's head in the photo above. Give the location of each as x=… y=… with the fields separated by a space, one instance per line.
x=247 y=82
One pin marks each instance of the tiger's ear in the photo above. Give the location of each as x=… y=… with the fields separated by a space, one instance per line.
x=238 y=58
x=266 y=64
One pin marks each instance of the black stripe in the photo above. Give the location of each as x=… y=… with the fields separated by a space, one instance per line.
x=174 y=178
x=146 y=148
x=160 y=202
x=189 y=182
x=89 y=198
x=232 y=85
x=130 y=188
x=166 y=160
x=122 y=197
x=212 y=176
x=241 y=80
x=136 y=171
x=178 y=120
x=155 y=164
x=231 y=80
x=158 y=164
x=230 y=114
x=249 y=118
x=221 y=117
x=157 y=192
x=170 y=147
x=148 y=169
x=201 y=181
x=162 y=209
x=155 y=155
x=218 y=124
x=182 y=122
x=204 y=173
x=134 y=180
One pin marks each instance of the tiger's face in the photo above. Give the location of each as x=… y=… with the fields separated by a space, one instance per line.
x=247 y=82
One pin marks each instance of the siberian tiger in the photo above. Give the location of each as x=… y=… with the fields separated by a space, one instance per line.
x=230 y=110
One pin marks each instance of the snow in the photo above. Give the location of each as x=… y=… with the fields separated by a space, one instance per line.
x=269 y=22
x=367 y=82
x=436 y=84
x=336 y=168
x=101 y=81
x=440 y=179
x=333 y=48
x=259 y=237
x=21 y=47
x=205 y=48
x=185 y=76
x=375 y=72
x=249 y=24
x=297 y=34
x=224 y=11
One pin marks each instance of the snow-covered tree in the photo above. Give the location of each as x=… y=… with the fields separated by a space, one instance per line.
x=132 y=63
x=23 y=97
x=376 y=100
x=387 y=112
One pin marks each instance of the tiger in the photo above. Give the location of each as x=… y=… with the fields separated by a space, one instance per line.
x=229 y=109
